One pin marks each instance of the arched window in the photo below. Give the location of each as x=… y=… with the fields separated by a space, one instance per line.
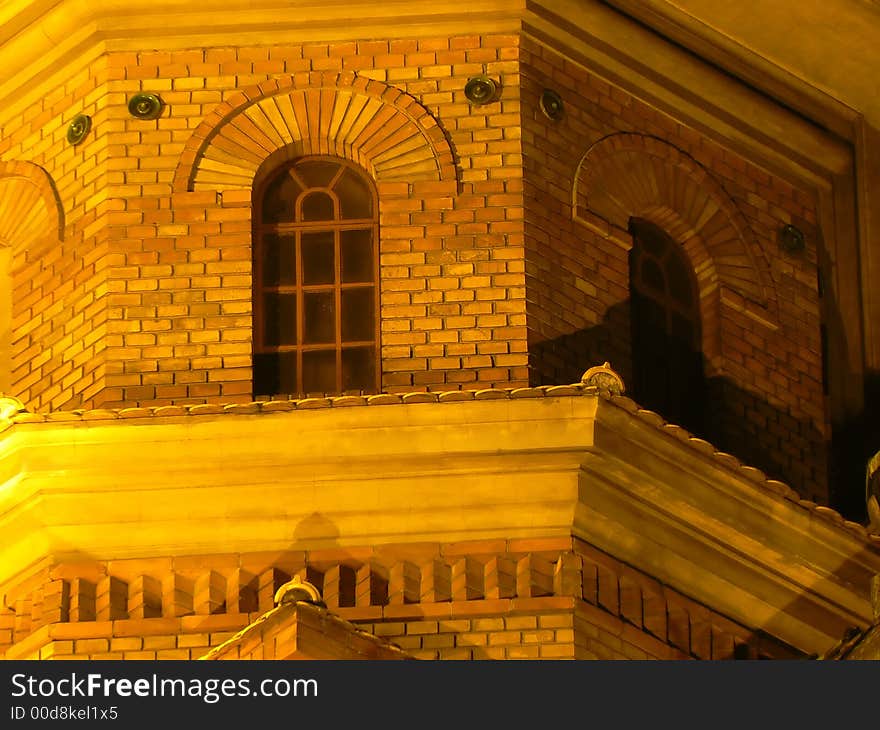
x=666 y=338
x=315 y=273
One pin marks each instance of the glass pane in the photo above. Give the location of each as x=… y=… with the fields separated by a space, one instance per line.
x=678 y=276
x=279 y=259
x=317 y=207
x=356 y=250
x=682 y=329
x=279 y=200
x=279 y=319
x=359 y=369
x=318 y=259
x=652 y=276
x=275 y=373
x=316 y=173
x=358 y=317
x=355 y=195
x=319 y=371
x=320 y=322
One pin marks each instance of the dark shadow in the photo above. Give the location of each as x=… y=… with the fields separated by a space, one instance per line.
x=315 y=530
x=854 y=442
x=730 y=417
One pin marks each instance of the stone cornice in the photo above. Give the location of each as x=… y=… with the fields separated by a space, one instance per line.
x=745 y=551
x=527 y=463
x=64 y=36
x=748 y=64
x=15 y=415
x=778 y=51
x=61 y=37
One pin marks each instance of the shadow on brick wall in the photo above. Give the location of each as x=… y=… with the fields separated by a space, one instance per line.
x=731 y=417
x=854 y=442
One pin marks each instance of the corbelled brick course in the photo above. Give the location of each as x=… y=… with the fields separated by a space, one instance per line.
x=564 y=600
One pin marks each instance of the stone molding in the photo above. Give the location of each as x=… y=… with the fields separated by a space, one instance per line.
x=519 y=464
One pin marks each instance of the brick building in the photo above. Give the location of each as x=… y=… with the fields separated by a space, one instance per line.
x=310 y=291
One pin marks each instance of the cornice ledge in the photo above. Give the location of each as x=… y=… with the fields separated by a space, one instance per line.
x=714 y=477
x=702 y=526
x=742 y=62
x=36 y=39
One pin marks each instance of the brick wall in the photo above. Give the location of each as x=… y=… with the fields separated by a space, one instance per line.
x=161 y=279
x=146 y=299
x=146 y=639
x=764 y=398
x=58 y=275
x=452 y=295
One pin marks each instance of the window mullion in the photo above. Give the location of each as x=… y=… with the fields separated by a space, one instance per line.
x=377 y=379
x=337 y=291
x=300 y=313
x=258 y=294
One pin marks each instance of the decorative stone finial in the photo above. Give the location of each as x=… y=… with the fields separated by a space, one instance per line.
x=604 y=379
x=9 y=407
x=297 y=590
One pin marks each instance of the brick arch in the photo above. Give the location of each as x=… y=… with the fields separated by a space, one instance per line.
x=30 y=207
x=632 y=175
x=31 y=217
x=388 y=132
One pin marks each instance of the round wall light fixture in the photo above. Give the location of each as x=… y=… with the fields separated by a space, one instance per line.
x=145 y=106
x=791 y=239
x=551 y=105
x=481 y=90
x=78 y=128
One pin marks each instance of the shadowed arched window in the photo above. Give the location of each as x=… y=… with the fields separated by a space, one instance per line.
x=666 y=338
x=315 y=275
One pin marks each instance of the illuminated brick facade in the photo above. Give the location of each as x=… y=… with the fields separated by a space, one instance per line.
x=503 y=268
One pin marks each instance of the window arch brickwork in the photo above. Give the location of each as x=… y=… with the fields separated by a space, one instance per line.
x=31 y=222
x=382 y=128
x=626 y=175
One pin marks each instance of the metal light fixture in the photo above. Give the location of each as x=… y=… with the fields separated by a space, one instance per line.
x=551 y=105
x=481 y=90
x=791 y=239
x=145 y=106
x=298 y=590
x=78 y=128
